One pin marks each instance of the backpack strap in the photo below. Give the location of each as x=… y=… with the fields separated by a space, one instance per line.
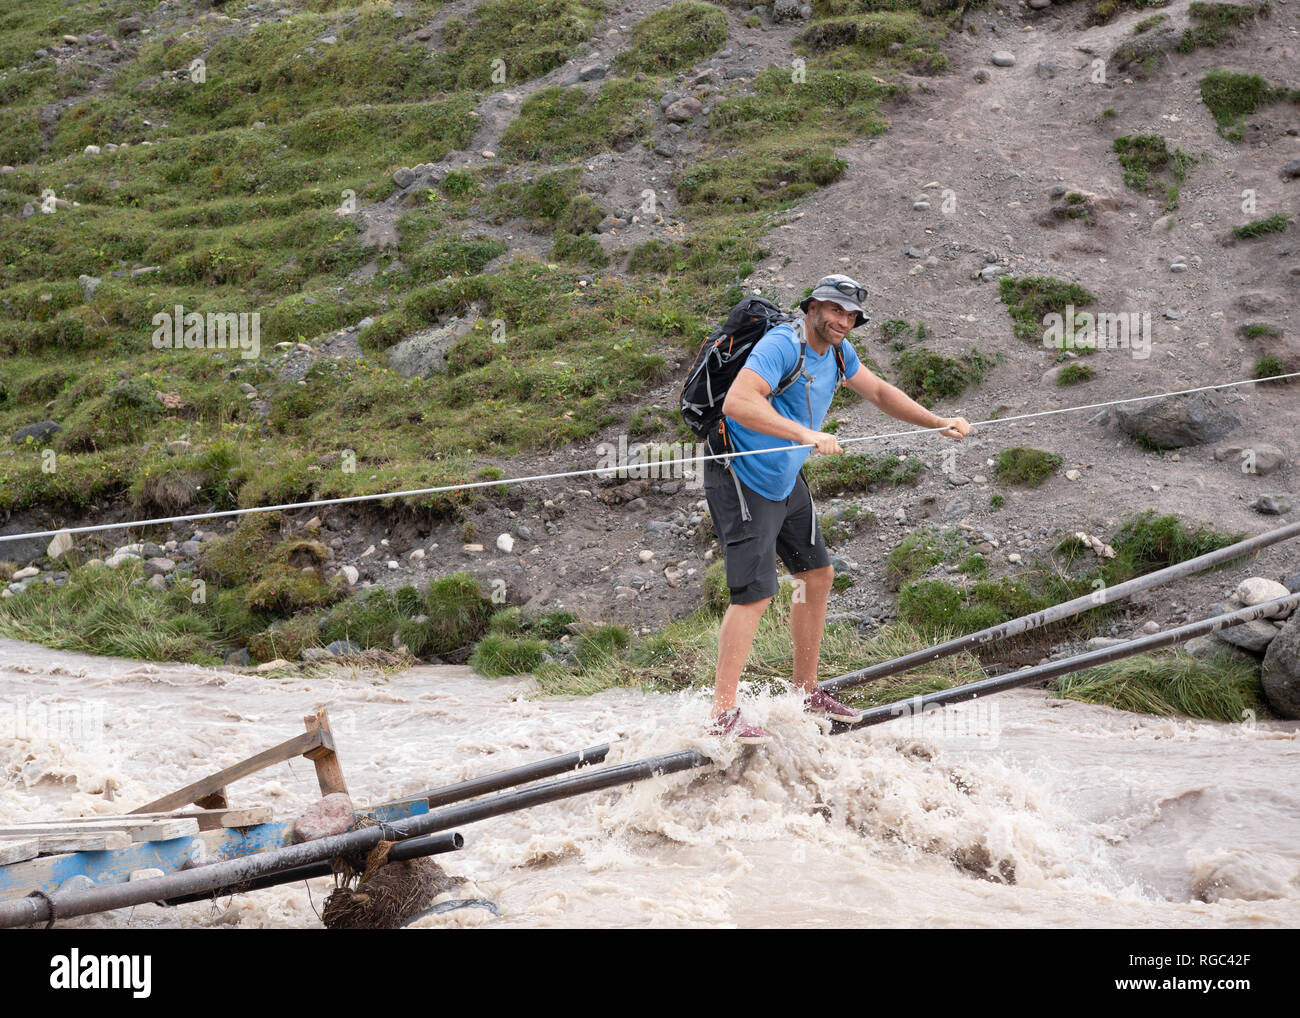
x=793 y=376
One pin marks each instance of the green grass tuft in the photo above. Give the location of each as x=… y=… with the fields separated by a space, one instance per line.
x=850 y=472
x=1232 y=96
x=1262 y=227
x=1029 y=299
x=1216 y=688
x=1023 y=465
x=928 y=377
x=1073 y=374
x=673 y=38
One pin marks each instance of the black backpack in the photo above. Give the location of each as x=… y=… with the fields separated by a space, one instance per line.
x=720 y=358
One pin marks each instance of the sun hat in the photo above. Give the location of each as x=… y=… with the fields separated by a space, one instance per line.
x=844 y=291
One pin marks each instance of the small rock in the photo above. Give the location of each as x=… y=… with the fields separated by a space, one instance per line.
x=157 y=582
x=1291 y=169
x=91 y=150
x=505 y=543
x=23 y=574
x=683 y=110
x=180 y=447
x=1001 y=58
x=339 y=647
x=158 y=566
x=59 y=546
x=129 y=26
x=239 y=658
x=404 y=177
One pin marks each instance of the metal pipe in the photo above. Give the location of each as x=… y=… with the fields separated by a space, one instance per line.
x=1065 y=609
x=1051 y=669
x=499 y=780
x=414 y=848
x=24 y=911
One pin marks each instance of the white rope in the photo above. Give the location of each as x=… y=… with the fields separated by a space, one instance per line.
x=601 y=470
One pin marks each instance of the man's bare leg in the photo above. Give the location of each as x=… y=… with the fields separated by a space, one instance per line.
x=735 y=637
x=807 y=620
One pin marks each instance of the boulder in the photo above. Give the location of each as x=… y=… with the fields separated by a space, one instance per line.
x=1257 y=590
x=331 y=815
x=1272 y=505
x=20 y=552
x=785 y=10
x=425 y=353
x=1280 y=673
x=1177 y=421
x=35 y=432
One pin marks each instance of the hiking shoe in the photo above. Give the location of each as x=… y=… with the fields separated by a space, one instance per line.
x=729 y=724
x=821 y=702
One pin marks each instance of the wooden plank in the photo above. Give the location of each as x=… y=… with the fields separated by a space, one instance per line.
x=216 y=819
x=18 y=849
x=72 y=841
x=108 y=867
x=243 y=817
x=142 y=830
x=299 y=745
x=329 y=772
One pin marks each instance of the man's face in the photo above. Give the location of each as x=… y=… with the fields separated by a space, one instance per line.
x=830 y=320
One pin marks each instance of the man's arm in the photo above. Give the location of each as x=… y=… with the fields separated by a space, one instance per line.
x=895 y=402
x=747 y=403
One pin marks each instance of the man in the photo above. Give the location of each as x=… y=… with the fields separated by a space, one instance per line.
x=761 y=506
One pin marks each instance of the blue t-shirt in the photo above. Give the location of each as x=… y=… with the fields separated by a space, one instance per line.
x=773 y=474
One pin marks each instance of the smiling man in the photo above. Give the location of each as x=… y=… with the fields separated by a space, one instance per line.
x=760 y=504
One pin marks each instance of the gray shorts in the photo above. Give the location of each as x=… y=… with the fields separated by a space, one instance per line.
x=788 y=528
